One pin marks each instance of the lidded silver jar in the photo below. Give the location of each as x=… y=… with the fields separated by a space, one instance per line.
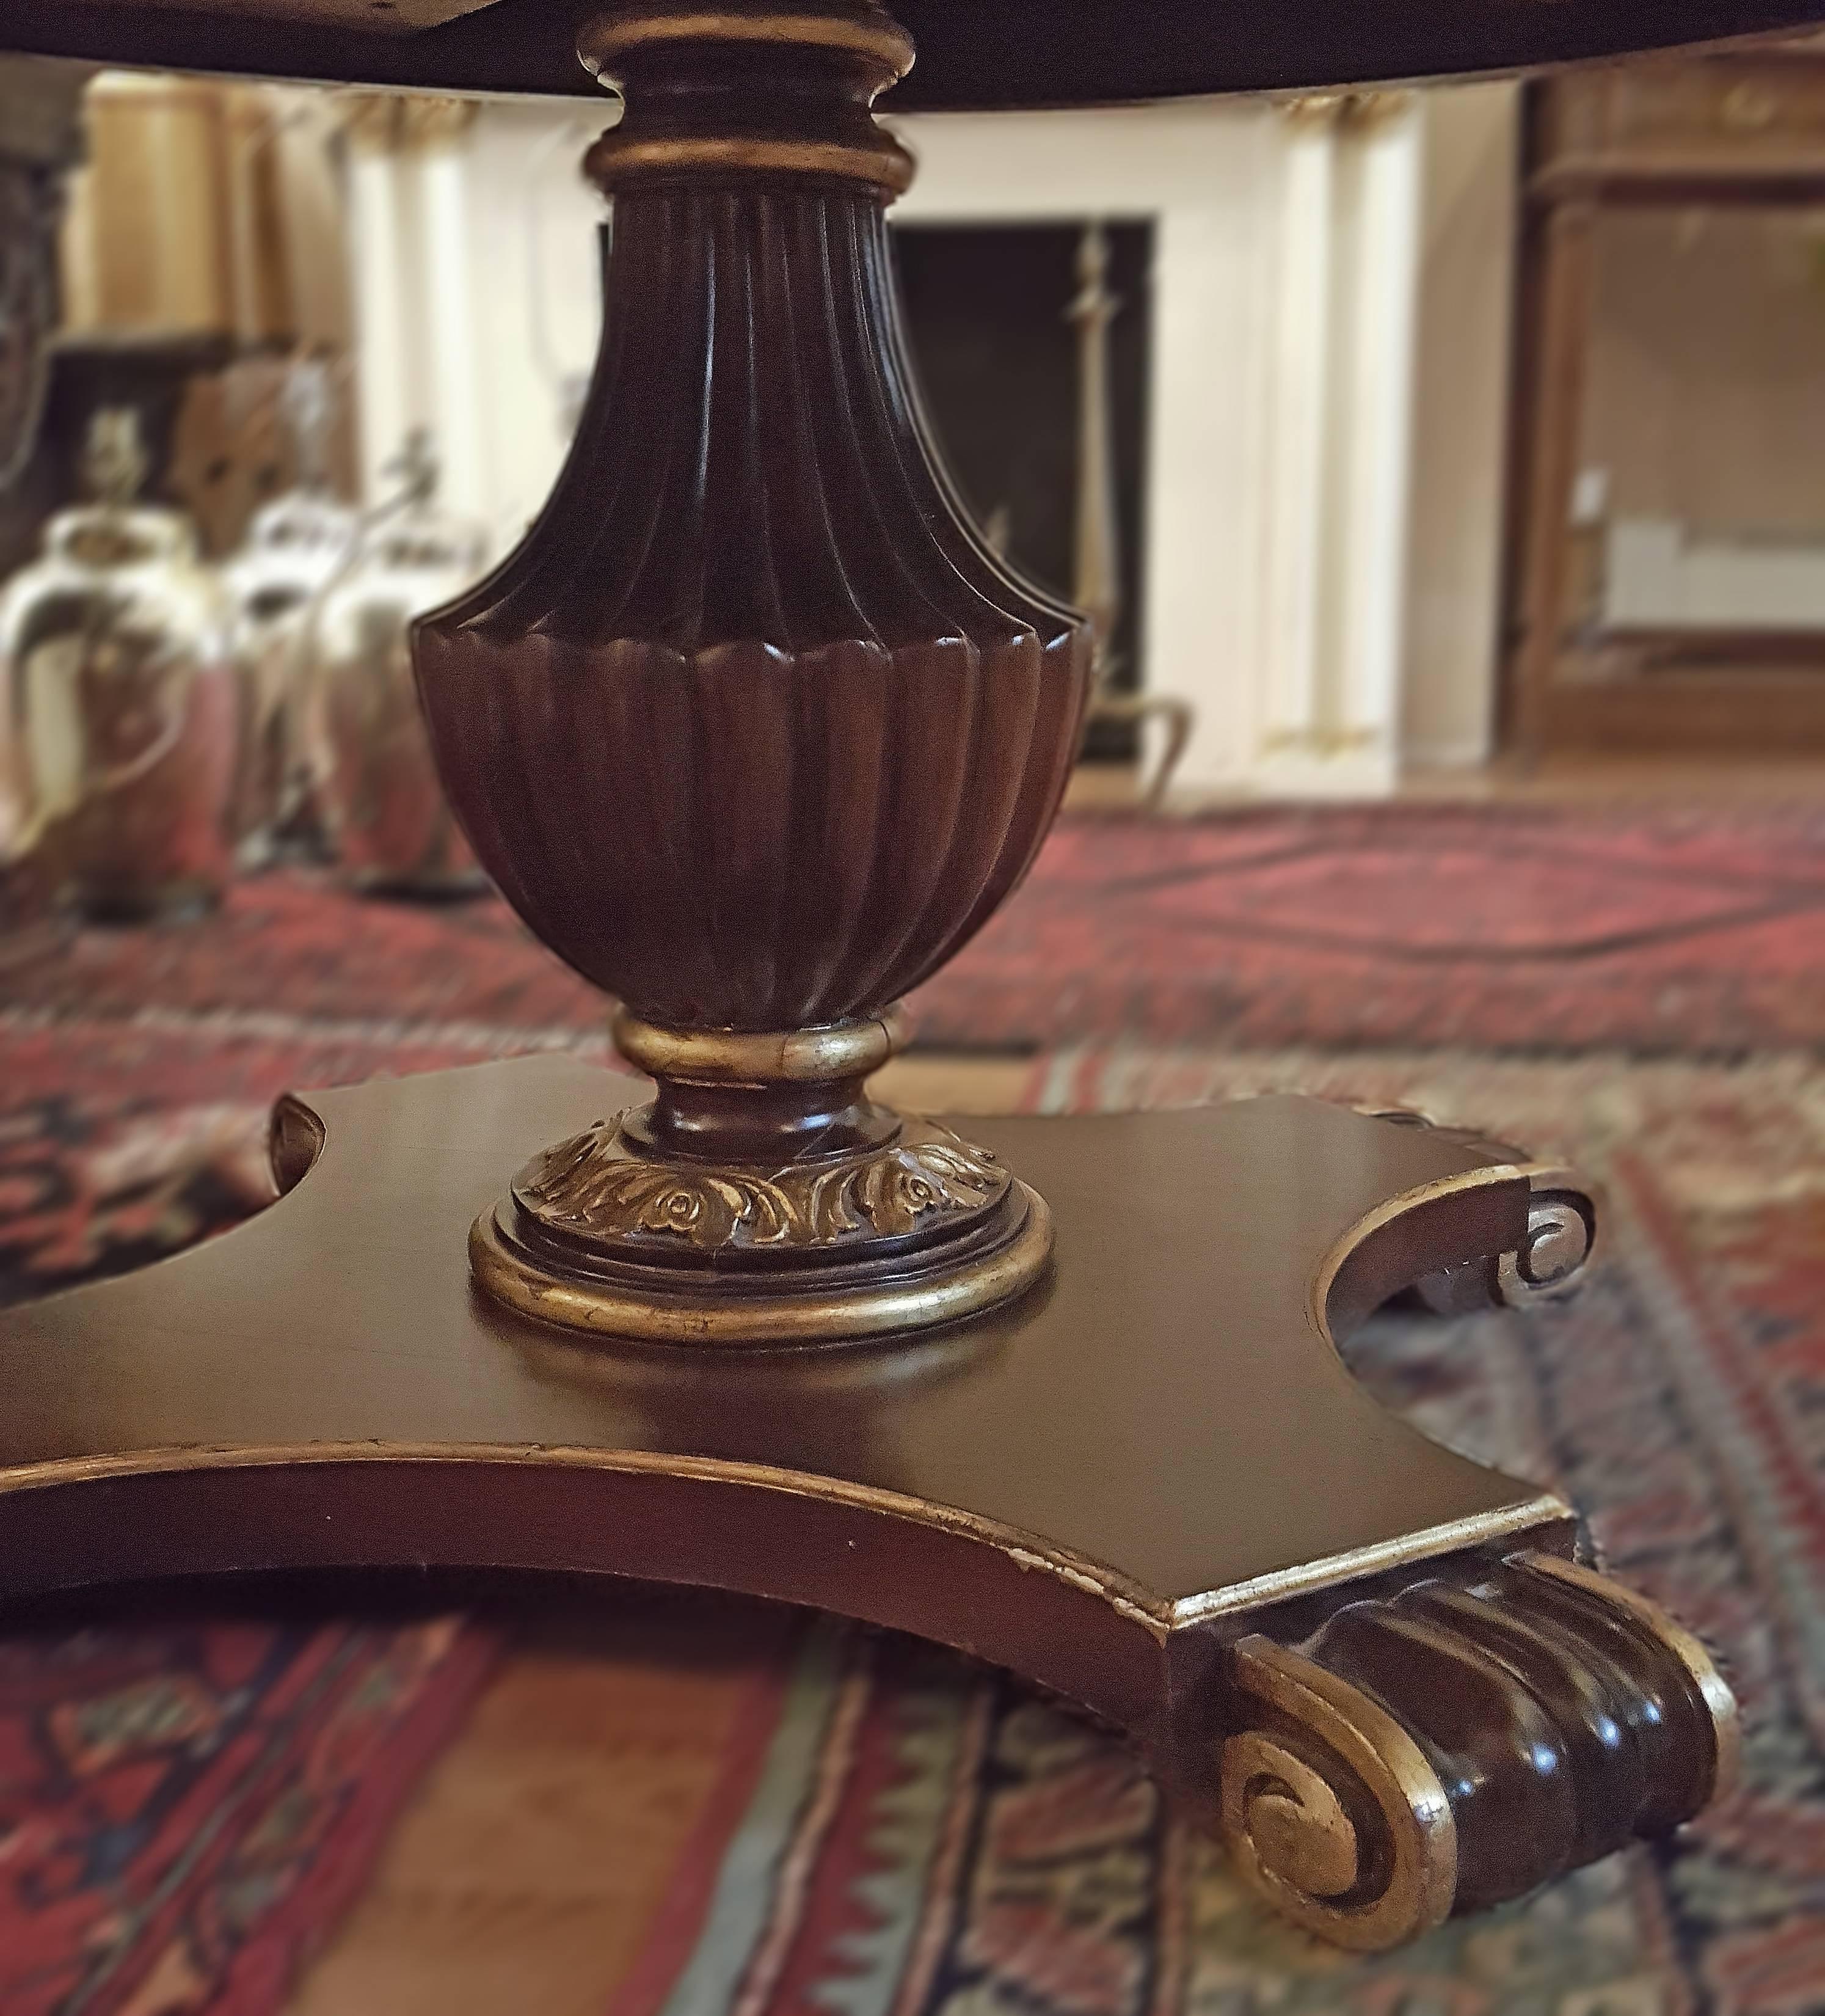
x=370 y=755
x=120 y=701
x=294 y=547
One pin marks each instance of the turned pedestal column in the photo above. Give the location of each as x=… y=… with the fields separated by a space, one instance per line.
x=754 y=729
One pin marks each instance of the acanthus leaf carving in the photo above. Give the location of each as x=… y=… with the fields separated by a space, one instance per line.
x=602 y=1185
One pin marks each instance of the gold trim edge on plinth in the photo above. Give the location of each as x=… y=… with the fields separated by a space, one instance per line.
x=1544 y=1517
x=1125 y=1596
x=1161 y=1617
x=674 y=1310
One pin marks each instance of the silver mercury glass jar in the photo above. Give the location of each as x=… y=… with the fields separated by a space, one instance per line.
x=294 y=548
x=371 y=761
x=120 y=702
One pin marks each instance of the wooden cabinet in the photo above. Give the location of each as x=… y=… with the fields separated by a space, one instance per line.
x=1668 y=590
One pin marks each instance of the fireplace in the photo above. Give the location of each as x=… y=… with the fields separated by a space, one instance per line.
x=1302 y=553
x=1001 y=361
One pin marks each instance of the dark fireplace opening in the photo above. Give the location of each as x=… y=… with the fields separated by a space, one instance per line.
x=988 y=320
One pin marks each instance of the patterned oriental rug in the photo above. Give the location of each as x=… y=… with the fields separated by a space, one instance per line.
x=874 y=1827
x=188 y=1809
x=1491 y=927
x=187 y=1806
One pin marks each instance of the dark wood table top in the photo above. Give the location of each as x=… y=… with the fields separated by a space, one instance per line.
x=972 y=53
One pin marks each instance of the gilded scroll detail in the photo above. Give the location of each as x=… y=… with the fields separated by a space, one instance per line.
x=1332 y=1811
x=603 y=1185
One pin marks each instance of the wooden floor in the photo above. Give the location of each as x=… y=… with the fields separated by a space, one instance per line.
x=525 y=1868
x=1108 y=786
x=1588 y=779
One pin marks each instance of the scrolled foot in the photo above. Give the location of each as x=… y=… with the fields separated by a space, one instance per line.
x=1463 y=1742
x=1333 y=1813
x=1547 y=1265
x=1562 y=1227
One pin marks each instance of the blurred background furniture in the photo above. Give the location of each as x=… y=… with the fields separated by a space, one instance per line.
x=1669 y=584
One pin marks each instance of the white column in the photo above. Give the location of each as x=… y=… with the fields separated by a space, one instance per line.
x=419 y=361
x=1465 y=297
x=1377 y=460
x=1301 y=436
x=536 y=281
x=454 y=377
x=1340 y=453
x=383 y=375
x=1204 y=601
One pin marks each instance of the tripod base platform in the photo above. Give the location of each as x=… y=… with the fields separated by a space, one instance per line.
x=1149 y=1483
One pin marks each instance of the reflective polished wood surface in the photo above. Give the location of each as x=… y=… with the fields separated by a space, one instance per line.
x=1164 y=1408
x=1150 y=1483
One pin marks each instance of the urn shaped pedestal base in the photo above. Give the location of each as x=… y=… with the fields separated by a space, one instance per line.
x=754 y=729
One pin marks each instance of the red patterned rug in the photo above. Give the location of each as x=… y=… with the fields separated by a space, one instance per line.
x=1490 y=927
x=122 y=1140
x=185 y=1810
x=1529 y=927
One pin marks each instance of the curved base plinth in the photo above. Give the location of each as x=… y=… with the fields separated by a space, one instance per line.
x=1148 y=1484
x=523 y=1265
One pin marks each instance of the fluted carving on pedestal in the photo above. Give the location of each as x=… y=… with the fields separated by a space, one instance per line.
x=765 y=737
